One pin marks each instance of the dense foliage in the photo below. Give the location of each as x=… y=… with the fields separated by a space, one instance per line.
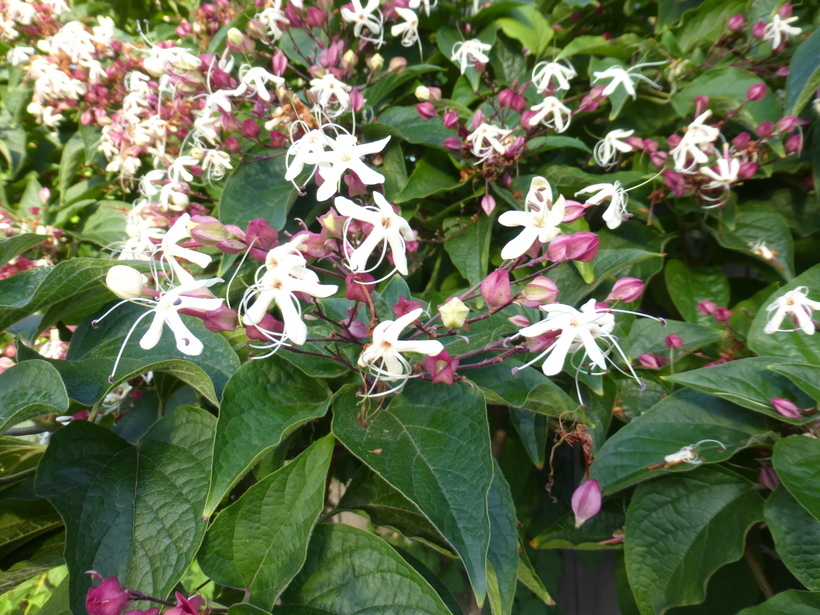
x=304 y=304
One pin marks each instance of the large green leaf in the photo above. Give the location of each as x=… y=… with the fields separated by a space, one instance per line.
x=259 y=543
x=47 y=555
x=134 y=512
x=688 y=286
x=793 y=602
x=20 y=401
x=432 y=443
x=405 y=123
x=350 y=572
x=806 y=377
x=705 y=24
x=649 y=336
x=528 y=388
x=93 y=351
x=433 y=174
x=258 y=190
x=468 y=244
x=681 y=529
x=591 y=535
x=263 y=401
x=23 y=520
x=16 y=245
x=527 y=25
x=682 y=419
x=796 y=535
x=797 y=462
x=532 y=429
x=804 y=74
x=747 y=382
x=502 y=571
x=73 y=156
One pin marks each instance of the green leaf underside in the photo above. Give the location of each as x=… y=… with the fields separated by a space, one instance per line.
x=432 y=444
x=259 y=543
x=352 y=572
x=263 y=401
x=681 y=529
x=134 y=512
x=19 y=401
x=796 y=535
x=682 y=419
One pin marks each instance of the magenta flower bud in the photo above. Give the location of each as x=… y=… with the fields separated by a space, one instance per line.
x=450 y=119
x=356 y=99
x=673 y=141
x=525 y=120
x=397 y=65
x=453 y=144
x=426 y=110
x=742 y=141
x=701 y=104
x=636 y=143
x=785 y=11
x=557 y=250
x=759 y=29
x=357 y=329
x=315 y=17
x=221 y=319
x=626 y=289
x=782 y=72
x=768 y=478
x=108 y=598
x=586 y=502
x=756 y=92
x=44 y=194
x=209 y=232
x=152 y=611
x=737 y=23
x=495 y=289
x=794 y=144
x=268 y=323
x=582 y=247
x=650 y=146
x=674 y=181
x=250 y=129
x=787 y=124
x=477 y=119
x=403 y=306
x=488 y=204
x=673 y=340
x=787 y=408
x=184 y=29
x=706 y=307
x=658 y=158
x=650 y=361
x=519 y=320
x=573 y=210
x=505 y=98
x=722 y=314
x=358 y=286
x=279 y=63
x=747 y=170
x=441 y=367
x=540 y=291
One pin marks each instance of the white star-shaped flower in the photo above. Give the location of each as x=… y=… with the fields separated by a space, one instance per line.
x=367 y=17
x=345 y=155
x=695 y=143
x=616 y=212
x=467 y=53
x=606 y=150
x=171 y=251
x=487 y=140
x=255 y=80
x=794 y=303
x=540 y=219
x=625 y=77
x=409 y=30
x=561 y=114
x=332 y=95
x=545 y=72
x=779 y=30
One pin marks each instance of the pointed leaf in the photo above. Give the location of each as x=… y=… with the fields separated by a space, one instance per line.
x=796 y=460
x=806 y=377
x=258 y=190
x=796 y=535
x=468 y=244
x=502 y=572
x=793 y=602
x=259 y=543
x=16 y=245
x=532 y=429
x=682 y=419
x=689 y=286
x=528 y=388
x=263 y=401
x=681 y=529
x=20 y=401
x=432 y=443
x=349 y=572
x=134 y=512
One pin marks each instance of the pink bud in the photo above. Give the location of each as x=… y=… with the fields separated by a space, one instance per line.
x=722 y=314
x=673 y=340
x=650 y=361
x=397 y=65
x=540 y=291
x=441 y=367
x=742 y=141
x=785 y=10
x=451 y=119
x=268 y=323
x=315 y=17
x=782 y=71
x=626 y=289
x=250 y=129
x=706 y=307
x=701 y=104
x=152 y=611
x=44 y=194
x=108 y=598
x=403 y=306
x=477 y=119
x=279 y=63
x=435 y=93
x=759 y=29
x=356 y=99
x=488 y=204
x=756 y=92
x=586 y=502
x=209 y=231
x=495 y=289
x=505 y=98
x=737 y=23
x=453 y=144
x=426 y=110
x=747 y=170
x=673 y=140
x=358 y=286
x=221 y=319
x=573 y=210
x=525 y=120
x=658 y=158
x=787 y=124
x=636 y=143
x=583 y=246
x=768 y=478
x=794 y=144
x=786 y=408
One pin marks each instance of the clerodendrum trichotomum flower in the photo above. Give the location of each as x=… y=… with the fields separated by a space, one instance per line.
x=540 y=219
x=383 y=359
x=796 y=304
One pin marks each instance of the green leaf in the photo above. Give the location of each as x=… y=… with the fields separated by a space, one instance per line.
x=258 y=190
x=394 y=170
x=349 y=571
x=796 y=460
x=407 y=124
x=589 y=537
x=432 y=443
x=528 y=388
x=369 y=494
x=262 y=403
x=48 y=555
x=683 y=528
x=688 y=286
x=796 y=535
x=594 y=45
x=750 y=383
x=434 y=174
x=105 y=223
x=16 y=245
x=529 y=578
x=793 y=602
x=20 y=401
x=259 y=543
x=683 y=419
x=528 y=26
x=804 y=74
x=23 y=520
x=648 y=336
x=806 y=377
x=502 y=557
x=532 y=429
x=468 y=245
x=384 y=88
x=705 y=24
x=243 y=608
x=73 y=157
x=134 y=512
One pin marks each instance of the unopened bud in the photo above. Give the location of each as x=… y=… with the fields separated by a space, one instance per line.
x=358 y=286
x=701 y=104
x=349 y=60
x=765 y=130
x=540 y=291
x=786 y=124
x=586 y=502
x=397 y=65
x=403 y=306
x=650 y=360
x=786 y=408
x=756 y=92
x=316 y=18
x=737 y=23
x=453 y=313
x=673 y=340
x=488 y=204
x=495 y=289
x=426 y=110
x=768 y=478
x=375 y=62
x=747 y=170
x=626 y=289
x=794 y=144
x=442 y=367
x=279 y=63
x=759 y=29
x=125 y=282
x=422 y=93
x=450 y=119
x=706 y=308
x=235 y=37
x=453 y=144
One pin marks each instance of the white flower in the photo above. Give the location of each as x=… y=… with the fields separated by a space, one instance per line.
x=409 y=30
x=487 y=140
x=606 y=150
x=19 y=55
x=332 y=95
x=576 y=329
x=171 y=251
x=545 y=72
x=616 y=212
x=215 y=163
x=467 y=53
x=415 y=4
x=254 y=79
x=779 y=30
x=367 y=17
x=389 y=229
x=759 y=248
x=727 y=172
x=796 y=304
x=561 y=114
x=540 y=219
x=307 y=150
x=624 y=77
x=383 y=357
x=695 y=142
x=345 y=156
x=273 y=18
